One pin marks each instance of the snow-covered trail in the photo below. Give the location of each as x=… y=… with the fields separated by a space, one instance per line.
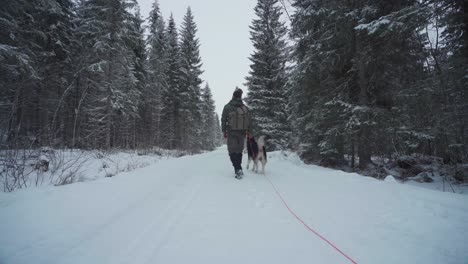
x=192 y=210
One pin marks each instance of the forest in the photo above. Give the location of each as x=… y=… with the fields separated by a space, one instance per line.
x=85 y=75
x=357 y=84
x=365 y=85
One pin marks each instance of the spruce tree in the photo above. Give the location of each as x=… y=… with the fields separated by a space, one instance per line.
x=157 y=78
x=267 y=76
x=439 y=95
x=386 y=54
x=209 y=134
x=218 y=133
x=455 y=36
x=134 y=123
x=190 y=82
x=35 y=69
x=346 y=77
x=170 y=134
x=77 y=73
x=105 y=29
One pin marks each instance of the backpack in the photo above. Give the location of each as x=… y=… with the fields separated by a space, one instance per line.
x=239 y=118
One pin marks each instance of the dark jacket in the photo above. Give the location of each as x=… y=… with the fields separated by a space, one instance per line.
x=229 y=107
x=235 y=140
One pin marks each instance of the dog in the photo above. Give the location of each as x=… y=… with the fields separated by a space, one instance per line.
x=257 y=152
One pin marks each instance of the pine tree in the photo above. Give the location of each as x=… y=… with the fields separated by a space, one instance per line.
x=35 y=67
x=267 y=76
x=170 y=133
x=384 y=56
x=346 y=77
x=134 y=123
x=157 y=80
x=76 y=73
x=441 y=87
x=190 y=82
x=210 y=131
x=18 y=61
x=105 y=29
x=322 y=70
x=218 y=133
x=455 y=118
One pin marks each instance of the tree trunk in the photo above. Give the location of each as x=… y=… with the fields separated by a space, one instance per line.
x=364 y=151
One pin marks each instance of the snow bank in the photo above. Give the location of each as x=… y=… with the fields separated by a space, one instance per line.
x=47 y=166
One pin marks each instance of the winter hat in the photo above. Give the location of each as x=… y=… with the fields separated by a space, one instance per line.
x=237 y=93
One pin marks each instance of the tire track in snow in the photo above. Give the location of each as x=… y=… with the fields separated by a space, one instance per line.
x=171 y=216
x=104 y=226
x=170 y=223
x=129 y=214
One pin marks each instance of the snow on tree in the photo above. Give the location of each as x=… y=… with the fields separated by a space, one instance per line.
x=218 y=133
x=170 y=134
x=209 y=133
x=107 y=30
x=346 y=76
x=442 y=87
x=190 y=82
x=80 y=74
x=156 y=66
x=267 y=76
x=35 y=70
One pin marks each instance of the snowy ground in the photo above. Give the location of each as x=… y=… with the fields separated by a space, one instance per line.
x=192 y=210
x=441 y=185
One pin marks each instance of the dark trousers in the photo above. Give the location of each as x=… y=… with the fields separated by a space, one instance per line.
x=235 y=144
x=236 y=159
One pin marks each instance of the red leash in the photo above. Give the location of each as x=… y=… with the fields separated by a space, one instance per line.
x=308 y=227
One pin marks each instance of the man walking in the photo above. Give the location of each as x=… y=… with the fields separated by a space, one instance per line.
x=235 y=122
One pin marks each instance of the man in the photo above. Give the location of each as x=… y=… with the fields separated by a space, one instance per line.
x=235 y=122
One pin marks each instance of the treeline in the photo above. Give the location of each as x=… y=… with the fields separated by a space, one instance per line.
x=83 y=74
x=366 y=78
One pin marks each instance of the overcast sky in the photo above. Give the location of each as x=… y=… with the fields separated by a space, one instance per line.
x=223 y=31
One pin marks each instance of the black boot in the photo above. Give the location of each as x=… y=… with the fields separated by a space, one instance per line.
x=238 y=165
